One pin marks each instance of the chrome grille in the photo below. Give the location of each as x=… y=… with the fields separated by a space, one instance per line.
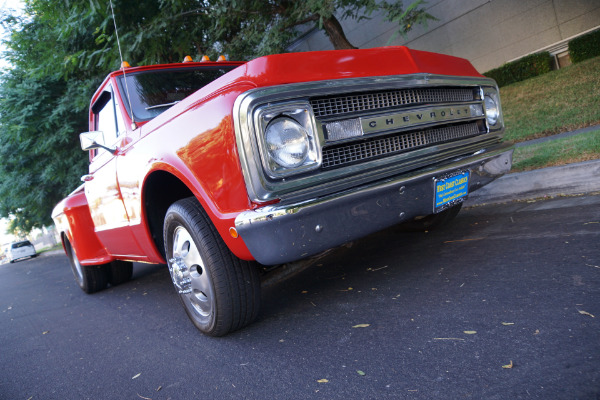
x=384 y=146
x=344 y=104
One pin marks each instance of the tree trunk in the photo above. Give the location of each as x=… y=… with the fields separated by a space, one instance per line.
x=336 y=34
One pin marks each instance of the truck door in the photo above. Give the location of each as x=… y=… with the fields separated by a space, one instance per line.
x=102 y=186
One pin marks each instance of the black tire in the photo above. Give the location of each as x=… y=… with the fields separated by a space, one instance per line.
x=220 y=292
x=433 y=221
x=90 y=278
x=119 y=272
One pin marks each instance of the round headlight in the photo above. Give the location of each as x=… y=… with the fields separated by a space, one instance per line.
x=287 y=142
x=491 y=110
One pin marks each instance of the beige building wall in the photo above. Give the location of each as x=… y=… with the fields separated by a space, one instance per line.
x=486 y=32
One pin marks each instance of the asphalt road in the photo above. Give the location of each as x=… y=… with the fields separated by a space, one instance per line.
x=504 y=285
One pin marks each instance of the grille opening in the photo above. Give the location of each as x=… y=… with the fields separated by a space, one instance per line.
x=383 y=146
x=380 y=100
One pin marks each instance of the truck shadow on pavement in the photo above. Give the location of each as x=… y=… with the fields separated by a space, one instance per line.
x=390 y=264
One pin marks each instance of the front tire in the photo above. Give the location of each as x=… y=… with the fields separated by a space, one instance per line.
x=220 y=292
x=90 y=278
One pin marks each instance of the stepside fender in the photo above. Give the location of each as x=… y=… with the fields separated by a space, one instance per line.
x=74 y=222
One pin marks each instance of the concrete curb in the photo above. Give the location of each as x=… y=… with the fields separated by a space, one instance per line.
x=558 y=136
x=578 y=178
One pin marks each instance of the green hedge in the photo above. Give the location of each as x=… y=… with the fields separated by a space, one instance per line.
x=584 y=47
x=521 y=69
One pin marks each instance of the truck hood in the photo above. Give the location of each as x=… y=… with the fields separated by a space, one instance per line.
x=338 y=64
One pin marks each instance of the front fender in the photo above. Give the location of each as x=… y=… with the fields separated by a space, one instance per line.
x=198 y=148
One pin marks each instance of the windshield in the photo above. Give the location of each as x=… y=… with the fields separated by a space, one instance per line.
x=152 y=92
x=21 y=244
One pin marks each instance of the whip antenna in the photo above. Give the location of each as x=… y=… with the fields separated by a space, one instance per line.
x=133 y=125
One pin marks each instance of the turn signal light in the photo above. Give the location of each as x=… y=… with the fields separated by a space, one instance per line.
x=205 y=58
x=233 y=232
x=125 y=64
x=187 y=59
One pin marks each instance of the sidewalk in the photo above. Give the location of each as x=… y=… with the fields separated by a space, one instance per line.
x=570 y=179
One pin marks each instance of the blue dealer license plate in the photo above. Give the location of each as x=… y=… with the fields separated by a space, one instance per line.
x=450 y=190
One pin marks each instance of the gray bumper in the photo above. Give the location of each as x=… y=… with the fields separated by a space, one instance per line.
x=289 y=232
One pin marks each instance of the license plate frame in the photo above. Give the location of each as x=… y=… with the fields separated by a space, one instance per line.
x=450 y=190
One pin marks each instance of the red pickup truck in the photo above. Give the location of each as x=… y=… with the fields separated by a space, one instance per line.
x=214 y=168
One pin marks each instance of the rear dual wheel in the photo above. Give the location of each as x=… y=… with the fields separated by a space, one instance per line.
x=220 y=293
x=93 y=278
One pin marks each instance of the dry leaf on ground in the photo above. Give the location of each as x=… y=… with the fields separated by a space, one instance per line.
x=508 y=366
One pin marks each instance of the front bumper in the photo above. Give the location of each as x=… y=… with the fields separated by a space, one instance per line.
x=288 y=232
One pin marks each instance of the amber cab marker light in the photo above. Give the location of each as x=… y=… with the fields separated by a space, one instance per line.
x=221 y=58
x=205 y=58
x=187 y=59
x=125 y=64
x=233 y=232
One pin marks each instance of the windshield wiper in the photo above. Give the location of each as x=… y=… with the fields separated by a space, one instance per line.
x=163 y=105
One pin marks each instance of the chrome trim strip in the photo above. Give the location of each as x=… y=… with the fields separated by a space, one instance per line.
x=413 y=118
x=262 y=188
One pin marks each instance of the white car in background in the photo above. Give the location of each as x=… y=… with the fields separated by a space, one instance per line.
x=22 y=249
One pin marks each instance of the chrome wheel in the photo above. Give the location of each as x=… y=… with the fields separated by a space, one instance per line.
x=77 y=268
x=220 y=293
x=90 y=278
x=189 y=274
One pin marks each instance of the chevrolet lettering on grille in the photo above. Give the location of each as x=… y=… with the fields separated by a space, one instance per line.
x=412 y=118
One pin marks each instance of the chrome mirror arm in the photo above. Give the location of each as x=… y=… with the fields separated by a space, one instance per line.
x=111 y=150
x=90 y=141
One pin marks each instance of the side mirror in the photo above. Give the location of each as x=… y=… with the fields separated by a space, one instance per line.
x=94 y=140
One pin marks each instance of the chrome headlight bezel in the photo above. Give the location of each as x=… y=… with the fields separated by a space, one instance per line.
x=298 y=112
x=492 y=112
x=492 y=108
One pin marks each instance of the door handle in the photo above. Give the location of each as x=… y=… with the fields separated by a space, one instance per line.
x=87 y=178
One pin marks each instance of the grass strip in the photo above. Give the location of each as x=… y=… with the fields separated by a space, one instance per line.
x=582 y=147
x=552 y=103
